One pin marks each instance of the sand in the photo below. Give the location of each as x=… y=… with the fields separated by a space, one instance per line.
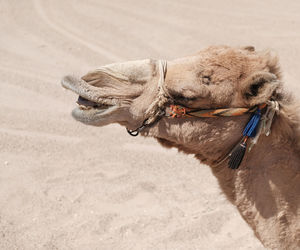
x=64 y=185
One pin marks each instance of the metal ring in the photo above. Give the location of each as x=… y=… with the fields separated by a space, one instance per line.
x=133 y=132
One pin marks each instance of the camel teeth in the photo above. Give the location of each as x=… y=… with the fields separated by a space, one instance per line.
x=82 y=107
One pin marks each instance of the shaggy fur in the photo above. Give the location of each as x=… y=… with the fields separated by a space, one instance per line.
x=266 y=187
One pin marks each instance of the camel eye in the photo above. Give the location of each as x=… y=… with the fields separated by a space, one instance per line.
x=182 y=98
x=206 y=80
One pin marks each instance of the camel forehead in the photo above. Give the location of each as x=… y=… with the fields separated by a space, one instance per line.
x=245 y=60
x=225 y=53
x=220 y=61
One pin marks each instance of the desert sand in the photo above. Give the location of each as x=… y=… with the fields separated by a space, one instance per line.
x=64 y=185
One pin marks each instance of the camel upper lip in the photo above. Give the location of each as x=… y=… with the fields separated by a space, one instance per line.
x=88 y=95
x=82 y=88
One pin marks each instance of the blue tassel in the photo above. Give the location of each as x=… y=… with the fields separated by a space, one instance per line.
x=237 y=154
x=250 y=129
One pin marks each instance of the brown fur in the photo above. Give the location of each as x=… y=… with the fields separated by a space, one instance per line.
x=266 y=187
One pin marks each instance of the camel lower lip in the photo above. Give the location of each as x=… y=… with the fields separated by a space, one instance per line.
x=84 y=112
x=92 y=115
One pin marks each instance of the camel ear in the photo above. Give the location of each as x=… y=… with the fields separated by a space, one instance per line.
x=259 y=87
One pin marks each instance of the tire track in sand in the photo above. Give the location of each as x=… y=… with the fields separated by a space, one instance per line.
x=40 y=11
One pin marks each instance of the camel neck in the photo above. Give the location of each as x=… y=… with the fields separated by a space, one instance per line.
x=265 y=190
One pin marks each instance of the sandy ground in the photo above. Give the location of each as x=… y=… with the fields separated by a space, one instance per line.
x=64 y=185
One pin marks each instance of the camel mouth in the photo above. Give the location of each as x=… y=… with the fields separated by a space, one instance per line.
x=90 y=112
x=85 y=104
x=90 y=109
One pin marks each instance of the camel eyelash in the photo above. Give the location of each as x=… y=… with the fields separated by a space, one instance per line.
x=182 y=98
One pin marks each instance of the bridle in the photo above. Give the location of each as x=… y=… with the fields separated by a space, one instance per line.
x=157 y=109
x=259 y=123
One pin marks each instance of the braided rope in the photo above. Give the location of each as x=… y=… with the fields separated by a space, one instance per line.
x=180 y=111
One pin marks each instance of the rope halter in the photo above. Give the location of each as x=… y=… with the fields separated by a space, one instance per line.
x=157 y=109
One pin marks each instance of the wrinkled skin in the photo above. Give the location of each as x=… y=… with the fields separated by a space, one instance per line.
x=266 y=188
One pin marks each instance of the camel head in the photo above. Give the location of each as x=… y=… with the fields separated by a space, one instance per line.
x=217 y=77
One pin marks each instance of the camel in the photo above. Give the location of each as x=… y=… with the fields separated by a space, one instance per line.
x=265 y=187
